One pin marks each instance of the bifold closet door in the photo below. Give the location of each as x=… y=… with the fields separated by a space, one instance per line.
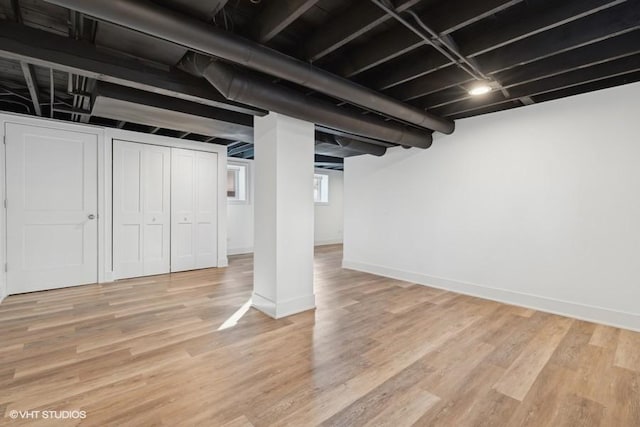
x=194 y=186
x=141 y=209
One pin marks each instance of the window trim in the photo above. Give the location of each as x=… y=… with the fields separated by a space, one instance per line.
x=247 y=183
x=326 y=178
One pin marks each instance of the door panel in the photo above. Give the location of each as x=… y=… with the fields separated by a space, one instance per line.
x=141 y=209
x=183 y=165
x=157 y=209
x=127 y=209
x=51 y=193
x=206 y=210
x=194 y=209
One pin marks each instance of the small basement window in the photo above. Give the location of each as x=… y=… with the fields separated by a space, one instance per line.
x=237 y=182
x=321 y=188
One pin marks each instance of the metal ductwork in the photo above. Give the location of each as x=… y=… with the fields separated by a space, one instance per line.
x=148 y=17
x=340 y=146
x=241 y=86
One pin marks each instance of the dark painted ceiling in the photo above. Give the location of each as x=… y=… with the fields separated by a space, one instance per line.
x=422 y=52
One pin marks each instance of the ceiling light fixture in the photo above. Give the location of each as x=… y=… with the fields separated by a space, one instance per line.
x=480 y=88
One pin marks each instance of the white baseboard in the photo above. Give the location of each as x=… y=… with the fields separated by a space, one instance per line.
x=589 y=313
x=223 y=262
x=243 y=251
x=239 y=251
x=328 y=242
x=283 y=308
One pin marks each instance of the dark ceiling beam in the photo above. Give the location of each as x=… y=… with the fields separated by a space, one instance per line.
x=507 y=105
x=541 y=17
x=353 y=22
x=607 y=70
x=444 y=18
x=436 y=81
x=204 y=10
x=586 y=56
x=121 y=125
x=556 y=94
x=48 y=50
x=155 y=130
x=418 y=63
x=517 y=47
x=239 y=150
x=278 y=15
x=234 y=144
x=319 y=158
x=591 y=29
x=16 y=10
x=590 y=87
x=329 y=165
x=32 y=85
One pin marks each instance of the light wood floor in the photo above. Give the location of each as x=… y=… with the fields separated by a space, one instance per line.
x=167 y=350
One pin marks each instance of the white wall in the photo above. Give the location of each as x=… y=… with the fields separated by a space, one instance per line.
x=538 y=206
x=328 y=218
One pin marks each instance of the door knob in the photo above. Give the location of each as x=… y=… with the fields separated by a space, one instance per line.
x=91 y=216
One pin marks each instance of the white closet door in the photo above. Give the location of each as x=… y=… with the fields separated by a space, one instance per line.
x=206 y=210
x=52 y=231
x=141 y=209
x=157 y=209
x=183 y=173
x=194 y=210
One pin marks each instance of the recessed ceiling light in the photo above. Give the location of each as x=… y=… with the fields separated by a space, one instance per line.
x=479 y=88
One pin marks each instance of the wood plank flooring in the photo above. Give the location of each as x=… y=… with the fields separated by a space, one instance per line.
x=185 y=350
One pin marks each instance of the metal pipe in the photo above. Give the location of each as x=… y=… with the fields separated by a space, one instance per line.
x=389 y=11
x=239 y=86
x=147 y=17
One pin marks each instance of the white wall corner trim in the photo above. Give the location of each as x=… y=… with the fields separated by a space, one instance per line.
x=239 y=251
x=328 y=242
x=283 y=308
x=602 y=315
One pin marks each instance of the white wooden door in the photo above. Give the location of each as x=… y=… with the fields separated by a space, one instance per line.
x=194 y=190
x=206 y=212
x=52 y=224
x=141 y=209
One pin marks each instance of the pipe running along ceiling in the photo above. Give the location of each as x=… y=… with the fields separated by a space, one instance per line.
x=241 y=86
x=147 y=17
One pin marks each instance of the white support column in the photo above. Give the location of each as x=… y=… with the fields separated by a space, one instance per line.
x=284 y=210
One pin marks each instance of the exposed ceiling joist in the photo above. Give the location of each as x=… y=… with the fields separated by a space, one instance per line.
x=547 y=15
x=32 y=85
x=578 y=77
x=356 y=20
x=513 y=47
x=593 y=28
x=240 y=149
x=199 y=8
x=277 y=16
x=446 y=17
x=42 y=48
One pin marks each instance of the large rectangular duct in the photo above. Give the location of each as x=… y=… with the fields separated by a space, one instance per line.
x=130 y=105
